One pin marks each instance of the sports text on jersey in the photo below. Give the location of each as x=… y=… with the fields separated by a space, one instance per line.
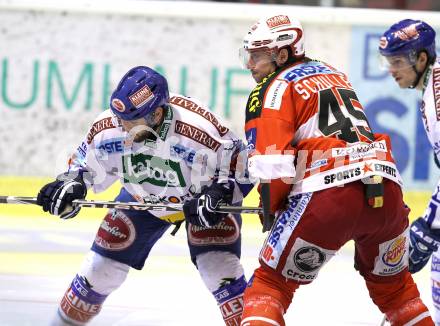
x=343 y=175
x=355 y=172
x=386 y=169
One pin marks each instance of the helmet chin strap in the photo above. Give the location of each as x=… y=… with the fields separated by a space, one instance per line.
x=419 y=75
x=156 y=125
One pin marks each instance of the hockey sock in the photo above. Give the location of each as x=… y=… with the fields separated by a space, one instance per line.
x=80 y=303
x=230 y=301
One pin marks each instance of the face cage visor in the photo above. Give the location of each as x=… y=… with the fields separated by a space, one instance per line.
x=250 y=58
x=398 y=62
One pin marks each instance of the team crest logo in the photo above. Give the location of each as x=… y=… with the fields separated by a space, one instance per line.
x=118 y=105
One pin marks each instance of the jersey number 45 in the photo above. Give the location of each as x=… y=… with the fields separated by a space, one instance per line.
x=341 y=115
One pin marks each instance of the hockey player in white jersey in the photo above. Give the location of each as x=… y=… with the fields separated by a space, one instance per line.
x=163 y=149
x=408 y=52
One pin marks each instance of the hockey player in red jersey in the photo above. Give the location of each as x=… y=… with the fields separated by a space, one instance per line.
x=331 y=180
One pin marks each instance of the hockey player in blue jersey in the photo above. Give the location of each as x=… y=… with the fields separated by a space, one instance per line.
x=162 y=149
x=408 y=52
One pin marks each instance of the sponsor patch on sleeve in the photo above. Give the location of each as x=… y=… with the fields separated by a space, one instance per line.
x=275 y=94
x=196 y=134
x=436 y=91
x=98 y=126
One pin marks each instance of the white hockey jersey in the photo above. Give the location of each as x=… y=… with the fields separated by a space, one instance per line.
x=192 y=147
x=430 y=111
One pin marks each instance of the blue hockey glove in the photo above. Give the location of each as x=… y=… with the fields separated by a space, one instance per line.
x=423 y=242
x=201 y=210
x=57 y=197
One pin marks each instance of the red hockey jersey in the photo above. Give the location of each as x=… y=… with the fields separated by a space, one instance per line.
x=307 y=131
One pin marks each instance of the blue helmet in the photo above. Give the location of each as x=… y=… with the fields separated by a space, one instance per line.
x=139 y=92
x=408 y=37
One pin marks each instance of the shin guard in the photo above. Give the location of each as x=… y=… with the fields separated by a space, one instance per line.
x=413 y=312
x=262 y=310
x=230 y=301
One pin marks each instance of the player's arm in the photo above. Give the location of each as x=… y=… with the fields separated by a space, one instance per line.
x=85 y=170
x=273 y=158
x=232 y=166
x=425 y=234
x=57 y=196
x=425 y=231
x=222 y=187
x=269 y=131
x=435 y=136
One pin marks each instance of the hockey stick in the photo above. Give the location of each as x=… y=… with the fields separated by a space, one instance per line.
x=132 y=205
x=268 y=219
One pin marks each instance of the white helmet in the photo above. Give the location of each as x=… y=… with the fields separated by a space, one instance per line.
x=273 y=33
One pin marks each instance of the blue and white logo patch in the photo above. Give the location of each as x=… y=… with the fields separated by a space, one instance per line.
x=305 y=70
x=185 y=153
x=110 y=146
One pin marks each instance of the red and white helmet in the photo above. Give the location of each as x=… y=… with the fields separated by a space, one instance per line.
x=273 y=33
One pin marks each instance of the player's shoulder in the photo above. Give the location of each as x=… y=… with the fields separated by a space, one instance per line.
x=432 y=82
x=192 y=113
x=104 y=125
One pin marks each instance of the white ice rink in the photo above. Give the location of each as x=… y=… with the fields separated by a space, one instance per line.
x=39 y=257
